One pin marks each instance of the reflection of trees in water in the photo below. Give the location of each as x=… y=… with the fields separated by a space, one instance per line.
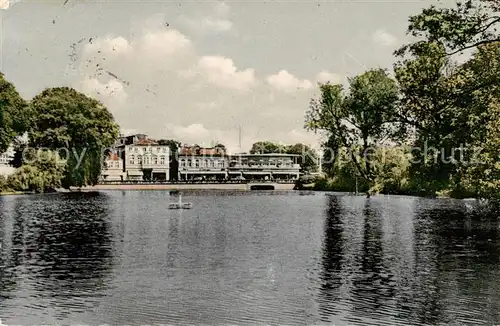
x=10 y=253
x=374 y=286
x=64 y=244
x=332 y=257
x=71 y=243
x=457 y=257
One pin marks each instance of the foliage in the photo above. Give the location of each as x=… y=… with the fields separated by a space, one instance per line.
x=13 y=113
x=267 y=147
x=358 y=120
x=467 y=25
x=62 y=118
x=43 y=173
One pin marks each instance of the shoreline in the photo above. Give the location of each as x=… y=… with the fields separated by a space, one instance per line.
x=187 y=186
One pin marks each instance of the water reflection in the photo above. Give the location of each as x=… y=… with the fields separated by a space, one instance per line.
x=332 y=257
x=60 y=249
x=373 y=287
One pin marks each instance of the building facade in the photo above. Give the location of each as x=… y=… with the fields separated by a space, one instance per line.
x=198 y=163
x=145 y=160
x=5 y=159
x=264 y=166
x=113 y=168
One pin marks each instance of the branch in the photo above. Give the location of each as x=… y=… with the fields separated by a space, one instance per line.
x=474 y=45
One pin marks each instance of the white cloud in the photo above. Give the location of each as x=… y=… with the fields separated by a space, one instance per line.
x=287 y=82
x=221 y=71
x=162 y=86
x=384 y=38
x=5 y=4
x=216 y=21
x=111 y=92
x=325 y=76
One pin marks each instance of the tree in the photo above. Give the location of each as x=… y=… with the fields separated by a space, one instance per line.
x=267 y=147
x=13 y=113
x=308 y=157
x=43 y=174
x=174 y=146
x=360 y=119
x=64 y=119
x=468 y=25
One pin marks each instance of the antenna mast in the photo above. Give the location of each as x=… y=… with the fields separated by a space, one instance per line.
x=239 y=136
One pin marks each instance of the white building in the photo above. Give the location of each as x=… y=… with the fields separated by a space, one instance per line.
x=196 y=162
x=5 y=159
x=113 y=168
x=264 y=166
x=145 y=159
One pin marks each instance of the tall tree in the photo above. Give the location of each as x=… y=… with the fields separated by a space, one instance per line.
x=359 y=119
x=13 y=113
x=64 y=119
x=308 y=158
x=467 y=25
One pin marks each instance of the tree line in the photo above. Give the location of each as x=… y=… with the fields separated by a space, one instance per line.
x=379 y=125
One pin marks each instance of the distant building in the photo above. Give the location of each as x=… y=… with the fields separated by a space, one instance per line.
x=113 y=168
x=264 y=166
x=144 y=159
x=197 y=162
x=5 y=160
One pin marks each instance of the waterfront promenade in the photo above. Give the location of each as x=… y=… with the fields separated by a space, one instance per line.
x=231 y=185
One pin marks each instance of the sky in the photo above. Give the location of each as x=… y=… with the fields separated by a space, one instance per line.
x=200 y=71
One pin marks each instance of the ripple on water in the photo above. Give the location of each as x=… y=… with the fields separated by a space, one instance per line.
x=254 y=258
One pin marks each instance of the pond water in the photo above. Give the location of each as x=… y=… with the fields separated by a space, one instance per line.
x=288 y=258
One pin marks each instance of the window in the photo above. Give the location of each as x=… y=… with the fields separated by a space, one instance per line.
x=205 y=164
x=190 y=164
x=164 y=149
x=146 y=160
x=117 y=164
x=162 y=160
x=183 y=162
x=144 y=149
x=131 y=160
x=155 y=159
x=197 y=163
x=139 y=159
x=212 y=163
x=136 y=150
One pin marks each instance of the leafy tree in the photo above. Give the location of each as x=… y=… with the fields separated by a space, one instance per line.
x=43 y=173
x=308 y=157
x=13 y=113
x=267 y=147
x=362 y=118
x=468 y=25
x=62 y=118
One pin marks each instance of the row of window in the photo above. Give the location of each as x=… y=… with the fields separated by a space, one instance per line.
x=150 y=149
x=146 y=159
x=203 y=163
x=112 y=164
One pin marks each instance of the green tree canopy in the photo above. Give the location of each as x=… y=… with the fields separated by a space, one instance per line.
x=62 y=118
x=358 y=119
x=13 y=115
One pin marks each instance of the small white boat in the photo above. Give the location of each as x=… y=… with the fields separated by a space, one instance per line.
x=180 y=204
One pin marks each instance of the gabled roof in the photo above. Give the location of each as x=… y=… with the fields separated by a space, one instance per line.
x=146 y=142
x=113 y=157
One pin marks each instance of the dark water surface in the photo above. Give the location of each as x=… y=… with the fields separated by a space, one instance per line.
x=260 y=258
